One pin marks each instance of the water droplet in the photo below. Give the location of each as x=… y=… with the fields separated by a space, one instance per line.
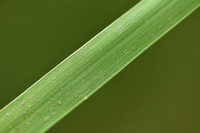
x=59 y=102
x=46 y=118
x=152 y=34
x=85 y=98
x=22 y=103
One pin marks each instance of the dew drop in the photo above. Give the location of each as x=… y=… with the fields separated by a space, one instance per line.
x=59 y=102
x=22 y=103
x=46 y=118
x=7 y=114
x=85 y=98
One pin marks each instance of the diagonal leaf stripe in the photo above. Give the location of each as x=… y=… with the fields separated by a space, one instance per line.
x=95 y=63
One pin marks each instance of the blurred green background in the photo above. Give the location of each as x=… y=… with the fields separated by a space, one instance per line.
x=157 y=93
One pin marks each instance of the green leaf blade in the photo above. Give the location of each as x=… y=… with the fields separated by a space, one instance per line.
x=94 y=64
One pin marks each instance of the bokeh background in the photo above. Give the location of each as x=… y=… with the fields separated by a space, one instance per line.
x=157 y=93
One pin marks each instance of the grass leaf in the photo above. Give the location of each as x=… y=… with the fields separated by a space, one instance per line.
x=94 y=64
